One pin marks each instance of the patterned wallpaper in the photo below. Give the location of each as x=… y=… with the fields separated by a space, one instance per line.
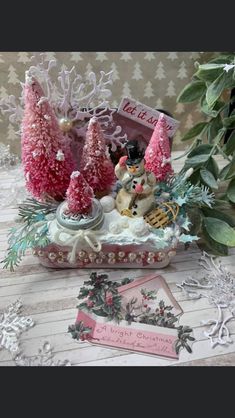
x=153 y=78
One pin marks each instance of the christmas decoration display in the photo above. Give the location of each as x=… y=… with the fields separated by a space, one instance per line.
x=96 y=165
x=84 y=212
x=109 y=300
x=46 y=173
x=157 y=154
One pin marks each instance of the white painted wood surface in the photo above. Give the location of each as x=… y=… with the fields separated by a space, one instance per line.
x=49 y=297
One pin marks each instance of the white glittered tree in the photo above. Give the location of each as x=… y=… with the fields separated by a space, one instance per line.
x=160 y=73
x=171 y=89
x=115 y=71
x=48 y=56
x=126 y=56
x=189 y=122
x=182 y=72
x=12 y=75
x=137 y=73
x=23 y=57
x=126 y=90
x=179 y=108
x=149 y=56
x=148 y=90
x=76 y=56
x=172 y=56
x=101 y=56
x=11 y=135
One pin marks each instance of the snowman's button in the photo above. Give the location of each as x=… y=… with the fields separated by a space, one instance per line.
x=135 y=206
x=134 y=213
x=133 y=187
x=135 y=181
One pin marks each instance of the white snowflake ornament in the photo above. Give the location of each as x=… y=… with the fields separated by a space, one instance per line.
x=12 y=325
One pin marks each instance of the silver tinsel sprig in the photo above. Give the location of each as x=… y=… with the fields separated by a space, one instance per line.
x=218 y=286
x=45 y=357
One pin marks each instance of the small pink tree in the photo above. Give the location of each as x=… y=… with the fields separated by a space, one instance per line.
x=96 y=165
x=79 y=194
x=157 y=153
x=46 y=157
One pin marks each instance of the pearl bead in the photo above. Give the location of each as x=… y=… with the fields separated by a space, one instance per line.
x=172 y=253
x=65 y=124
x=40 y=253
x=34 y=252
x=125 y=260
x=139 y=260
x=98 y=261
x=132 y=256
x=141 y=254
x=92 y=256
x=161 y=255
x=86 y=260
x=111 y=255
x=61 y=253
x=60 y=260
x=81 y=254
x=121 y=254
x=150 y=260
x=52 y=256
x=151 y=255
x=111 y=261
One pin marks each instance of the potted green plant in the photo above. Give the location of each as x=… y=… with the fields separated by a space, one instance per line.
x=213 y=86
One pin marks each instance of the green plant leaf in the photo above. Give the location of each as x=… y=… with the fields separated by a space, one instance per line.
x=196 y=130
x=217 y=108
x=213 y=167
x=229 y=147
x=231 y=172
x=197 y=160
x=192 y=92
x=214 y=90
x=229 y=122
x=213 y=128
x=231 y=190
x=223 y=173
x=223 y=59
x=213 y=246
x=201 y=149
x=213 y=213
x=209 y=72
x=220 y=231
x=208 y=178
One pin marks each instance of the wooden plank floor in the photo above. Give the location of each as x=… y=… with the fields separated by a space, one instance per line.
x=49 y=297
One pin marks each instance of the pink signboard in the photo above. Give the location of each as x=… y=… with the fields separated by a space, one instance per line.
x=145 y=115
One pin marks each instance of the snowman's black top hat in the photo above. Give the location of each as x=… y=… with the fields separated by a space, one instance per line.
x=135 y=155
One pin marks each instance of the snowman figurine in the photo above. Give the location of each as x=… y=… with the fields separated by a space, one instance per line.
x=136 y=197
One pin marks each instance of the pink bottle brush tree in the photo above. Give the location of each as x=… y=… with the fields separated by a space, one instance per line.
x=79 y=195
x=46 y=157
x=158 y=153
x=96 y=164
